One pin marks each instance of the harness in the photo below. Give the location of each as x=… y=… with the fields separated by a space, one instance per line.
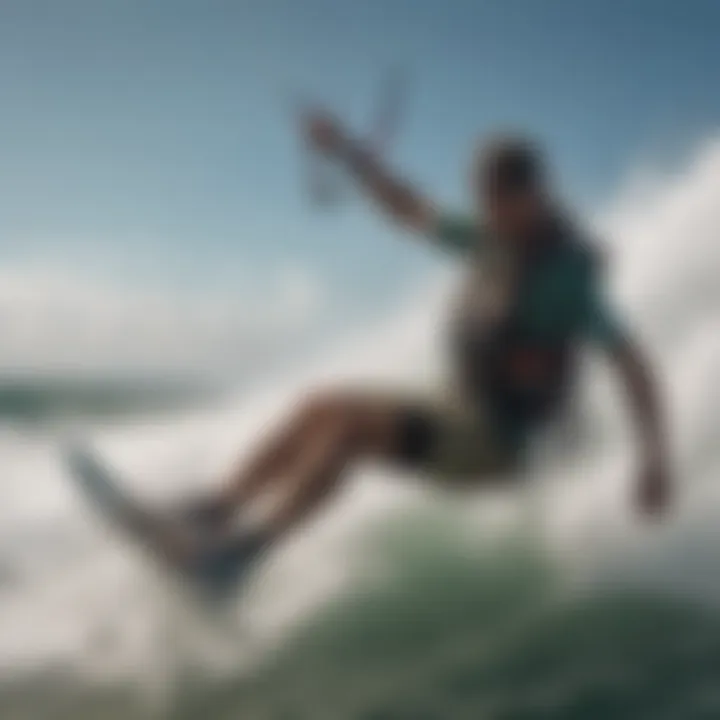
x=524 y=377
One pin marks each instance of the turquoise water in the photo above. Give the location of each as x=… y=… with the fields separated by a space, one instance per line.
x=44 y=399
x=449 y=636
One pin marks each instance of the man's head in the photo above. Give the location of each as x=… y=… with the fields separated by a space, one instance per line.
x=509 y=180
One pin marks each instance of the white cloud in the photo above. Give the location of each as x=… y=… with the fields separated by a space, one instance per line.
x=57 y=319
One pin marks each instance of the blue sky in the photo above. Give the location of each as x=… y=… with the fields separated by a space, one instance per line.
x=153 y=135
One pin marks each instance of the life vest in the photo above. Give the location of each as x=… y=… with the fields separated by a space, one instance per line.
x=522 y=376
x=521 y=379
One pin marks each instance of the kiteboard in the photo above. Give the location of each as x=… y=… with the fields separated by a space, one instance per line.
x=217 y=571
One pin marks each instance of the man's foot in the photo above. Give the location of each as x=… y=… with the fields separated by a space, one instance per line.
x=215 y=554
x=222 y=564
x=206 y=514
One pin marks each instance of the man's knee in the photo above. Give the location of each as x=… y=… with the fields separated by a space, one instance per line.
x=321 y=408
x=329 y=410
x=352 y=419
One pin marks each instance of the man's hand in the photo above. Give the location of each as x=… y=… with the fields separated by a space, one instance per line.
x=399 y=200
x=324 y=133
x=654 y=487
x=206 y=513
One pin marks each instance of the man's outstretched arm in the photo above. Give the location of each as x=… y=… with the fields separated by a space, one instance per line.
x=395 y=197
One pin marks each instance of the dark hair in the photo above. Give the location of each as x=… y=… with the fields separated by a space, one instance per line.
x=511 y=164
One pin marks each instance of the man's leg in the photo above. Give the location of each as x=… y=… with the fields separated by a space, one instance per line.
x=270 y=463
x=354 y=428
x=329 y=431
x=333 y=431
x=274 y=458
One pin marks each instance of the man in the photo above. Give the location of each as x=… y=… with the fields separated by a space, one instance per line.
x=532 y=298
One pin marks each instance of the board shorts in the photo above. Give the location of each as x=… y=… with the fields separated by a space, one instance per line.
x=452 y=440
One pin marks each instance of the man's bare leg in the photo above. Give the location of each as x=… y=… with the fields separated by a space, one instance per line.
x=336 y=431
x=356 y=431
x=280 y=458
x=269 y=464
x=271 y=460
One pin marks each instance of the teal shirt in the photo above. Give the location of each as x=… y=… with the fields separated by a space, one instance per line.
x=563 y=298
x=560 y=300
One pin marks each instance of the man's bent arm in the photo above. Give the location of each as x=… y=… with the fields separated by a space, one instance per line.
x=642 y=392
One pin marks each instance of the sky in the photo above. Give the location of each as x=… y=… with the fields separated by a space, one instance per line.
x=149 y=145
